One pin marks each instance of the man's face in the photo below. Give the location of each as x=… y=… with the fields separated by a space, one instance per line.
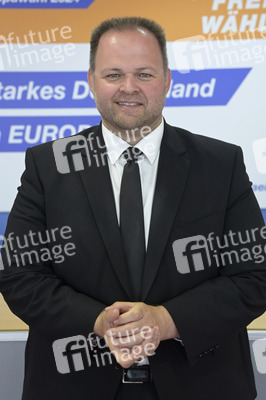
x=129 y=83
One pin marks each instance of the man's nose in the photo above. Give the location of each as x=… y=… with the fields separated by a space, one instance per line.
x=129 y=85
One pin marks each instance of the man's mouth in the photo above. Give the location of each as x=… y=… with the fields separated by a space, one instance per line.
x=130 y=104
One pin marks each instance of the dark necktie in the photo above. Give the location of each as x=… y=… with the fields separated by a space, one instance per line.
x=131 y=219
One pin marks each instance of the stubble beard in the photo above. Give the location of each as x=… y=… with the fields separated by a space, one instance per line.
x=122 y=124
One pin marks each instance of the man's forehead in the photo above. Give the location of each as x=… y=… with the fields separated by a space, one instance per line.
x=112 y=34
x=137 y=43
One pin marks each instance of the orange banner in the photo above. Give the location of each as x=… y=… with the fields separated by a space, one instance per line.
x=180 y=19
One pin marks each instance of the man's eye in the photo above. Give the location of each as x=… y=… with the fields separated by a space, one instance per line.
x=113 y=76
x=145 y=75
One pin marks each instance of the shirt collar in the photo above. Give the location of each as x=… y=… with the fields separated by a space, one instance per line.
x=149 y=145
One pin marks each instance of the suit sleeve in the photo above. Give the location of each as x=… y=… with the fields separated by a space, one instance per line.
x=207 y=315
x=33 y=291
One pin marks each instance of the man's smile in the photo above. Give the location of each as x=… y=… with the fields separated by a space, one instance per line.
x=126 y=103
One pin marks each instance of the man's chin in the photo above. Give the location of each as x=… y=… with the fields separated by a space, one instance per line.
x=130 y=123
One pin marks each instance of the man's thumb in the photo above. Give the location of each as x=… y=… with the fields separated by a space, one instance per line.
x=112 y=315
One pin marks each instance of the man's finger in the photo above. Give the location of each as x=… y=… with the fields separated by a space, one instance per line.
x=148 y=346
x=127 y=341
x=123 y=331
x=122 y=306
x=135 y=313
x=112 y=315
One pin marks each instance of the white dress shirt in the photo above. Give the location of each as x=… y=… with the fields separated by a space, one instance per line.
x=148 y=165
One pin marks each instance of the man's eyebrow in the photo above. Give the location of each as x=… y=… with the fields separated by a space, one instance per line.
x=119 y=69
x=142 y=68
x=111 y=69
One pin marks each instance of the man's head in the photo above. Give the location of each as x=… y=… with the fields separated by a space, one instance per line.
x=123 y=24
x=129 y=74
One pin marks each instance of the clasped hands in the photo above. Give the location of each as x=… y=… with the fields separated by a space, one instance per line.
x=133 y=331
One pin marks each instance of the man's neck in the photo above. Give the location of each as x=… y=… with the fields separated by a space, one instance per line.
x=132 y=135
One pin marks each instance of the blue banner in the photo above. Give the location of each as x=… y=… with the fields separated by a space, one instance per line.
x=3 y=221
x=71 y=90
x=45 y=90
x=259 y=187
x=209 y=87
x=19 y=133
x=45 y=3
x=264 y=214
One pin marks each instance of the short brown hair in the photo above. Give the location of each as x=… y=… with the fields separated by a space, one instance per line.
x=128 y=23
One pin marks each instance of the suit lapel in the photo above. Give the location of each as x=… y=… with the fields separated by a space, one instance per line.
x=97 y=183
x=172 y=175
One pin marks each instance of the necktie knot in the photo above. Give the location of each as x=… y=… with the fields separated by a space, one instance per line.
x=132 y=154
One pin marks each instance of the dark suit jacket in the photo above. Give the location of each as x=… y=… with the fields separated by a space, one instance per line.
x=201 y=187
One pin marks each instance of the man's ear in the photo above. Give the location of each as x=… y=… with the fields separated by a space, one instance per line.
x=90 y=80
x=168 y=80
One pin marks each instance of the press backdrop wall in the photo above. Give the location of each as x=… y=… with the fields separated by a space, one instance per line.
x=217 y=54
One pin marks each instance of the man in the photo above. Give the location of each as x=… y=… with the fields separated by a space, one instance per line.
x=176 y=333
